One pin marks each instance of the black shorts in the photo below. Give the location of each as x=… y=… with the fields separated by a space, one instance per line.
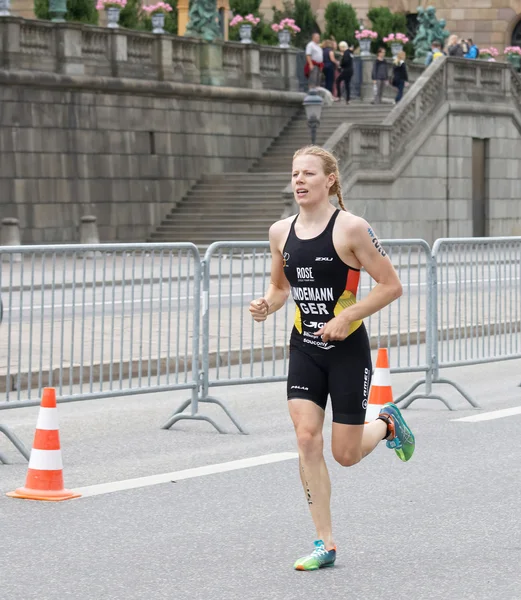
x=343 y=372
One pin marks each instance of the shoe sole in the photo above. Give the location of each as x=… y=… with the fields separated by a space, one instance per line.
x=314 y=568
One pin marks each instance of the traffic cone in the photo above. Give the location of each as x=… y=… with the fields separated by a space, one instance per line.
x=45 y=473
x=381 y=391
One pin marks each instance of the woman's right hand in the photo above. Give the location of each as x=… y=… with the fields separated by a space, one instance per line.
x=259 y=309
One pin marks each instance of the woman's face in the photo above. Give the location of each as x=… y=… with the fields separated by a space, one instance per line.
x=309 y=182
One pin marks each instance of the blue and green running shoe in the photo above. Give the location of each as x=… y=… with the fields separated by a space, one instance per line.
x=402 y=441
x=320 y=557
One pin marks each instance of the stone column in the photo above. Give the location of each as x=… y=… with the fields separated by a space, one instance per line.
x=212 y=72
x=224 y=5
x=289 y=67
x=69 y=41
x=10 y=236
x=182 y=16
x=10 y=46
x=252 y=66
x=118 y=51
x=164 y=58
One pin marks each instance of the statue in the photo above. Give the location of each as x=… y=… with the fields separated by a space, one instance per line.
x=203 y=20
x=429 y=29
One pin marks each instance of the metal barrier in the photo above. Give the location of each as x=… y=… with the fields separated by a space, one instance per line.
x=236 y=350
x=102 y=321
x=477 y=303
x=98 y=321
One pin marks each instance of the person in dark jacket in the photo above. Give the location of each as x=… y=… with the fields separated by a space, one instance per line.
x=379 y=76
x=330 y=64
x=454 y=47
x=346 y=73
x=400 y=76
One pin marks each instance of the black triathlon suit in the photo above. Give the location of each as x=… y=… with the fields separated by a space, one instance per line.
x=322 y=285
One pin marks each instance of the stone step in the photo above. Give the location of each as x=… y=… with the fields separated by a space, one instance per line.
x=253 y=211
x=266 y=187
x=238 y=192
x=253 y=178
x=225 y=230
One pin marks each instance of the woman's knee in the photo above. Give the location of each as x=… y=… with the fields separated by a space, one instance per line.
x=347 y=458
x=310 y=442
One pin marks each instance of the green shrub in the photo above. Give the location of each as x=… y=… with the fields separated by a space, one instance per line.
x=78 y=11
x=303 y=15
x=145 y=22
x=341 y=22
x=385 y=22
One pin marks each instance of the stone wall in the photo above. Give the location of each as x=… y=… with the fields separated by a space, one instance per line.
x=432 y=197
x=412 y=176
x=76 y=49
x=123 y=150
x=423 y=186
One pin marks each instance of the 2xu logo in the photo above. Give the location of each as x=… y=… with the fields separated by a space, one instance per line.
x=323 y=258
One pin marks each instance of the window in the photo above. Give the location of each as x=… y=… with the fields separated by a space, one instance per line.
x=516 y=35
x=412 y=25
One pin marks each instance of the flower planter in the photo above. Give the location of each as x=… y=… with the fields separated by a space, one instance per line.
x=113 y=17
x=5 y=6
x=284 y=38
x=365 y=47
x=245 y=34
x=158 y=22
x=514 y=60
x=396 y=47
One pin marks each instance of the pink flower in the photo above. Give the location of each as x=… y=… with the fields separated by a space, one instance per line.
x=512 y=50
x=160 y=6
x=104 y=4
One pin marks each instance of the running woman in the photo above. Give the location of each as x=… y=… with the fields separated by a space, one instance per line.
x=317 y=256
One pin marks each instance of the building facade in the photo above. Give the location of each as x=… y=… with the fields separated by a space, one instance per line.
x=488 y=22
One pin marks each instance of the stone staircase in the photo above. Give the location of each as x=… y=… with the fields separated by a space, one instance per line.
x=242 y=206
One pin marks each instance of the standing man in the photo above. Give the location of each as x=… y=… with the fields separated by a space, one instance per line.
x=473 y=49
x=379 y=76
x=314 y=58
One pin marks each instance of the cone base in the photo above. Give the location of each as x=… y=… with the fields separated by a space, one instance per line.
x=44 y=495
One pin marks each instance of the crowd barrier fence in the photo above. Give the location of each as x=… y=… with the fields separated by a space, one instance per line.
x=111 y=320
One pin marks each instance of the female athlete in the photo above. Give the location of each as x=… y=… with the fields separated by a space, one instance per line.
x=317 y=256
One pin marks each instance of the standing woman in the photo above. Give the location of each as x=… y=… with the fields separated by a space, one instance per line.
x=346 y=73
x=317 y=256
x=454 y=48
x=330 y=64
x=400 y=76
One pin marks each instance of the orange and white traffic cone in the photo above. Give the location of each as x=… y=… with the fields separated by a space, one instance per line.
x=45 y=474
x=381 y=391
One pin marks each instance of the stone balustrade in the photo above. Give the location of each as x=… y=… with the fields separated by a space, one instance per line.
x=454 y=84
x=76 y=49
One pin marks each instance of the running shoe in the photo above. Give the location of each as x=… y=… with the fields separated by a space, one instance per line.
x=403 y=441
x=320 y=557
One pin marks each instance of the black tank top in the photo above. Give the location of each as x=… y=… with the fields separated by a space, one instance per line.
x=322 y=285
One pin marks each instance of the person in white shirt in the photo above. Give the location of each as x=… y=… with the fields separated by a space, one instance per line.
x=314 y=57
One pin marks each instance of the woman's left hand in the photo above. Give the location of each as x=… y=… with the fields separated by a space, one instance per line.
x=335 y=330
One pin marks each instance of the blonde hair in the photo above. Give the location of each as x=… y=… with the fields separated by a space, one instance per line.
x=342 y=46
x=453 y=40
x=330 y=167
x=400 y=56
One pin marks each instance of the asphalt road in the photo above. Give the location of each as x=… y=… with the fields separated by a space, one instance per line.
x=443 y=526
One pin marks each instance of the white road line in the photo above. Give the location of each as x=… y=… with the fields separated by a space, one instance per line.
x=131 y=484
x=489 y=416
